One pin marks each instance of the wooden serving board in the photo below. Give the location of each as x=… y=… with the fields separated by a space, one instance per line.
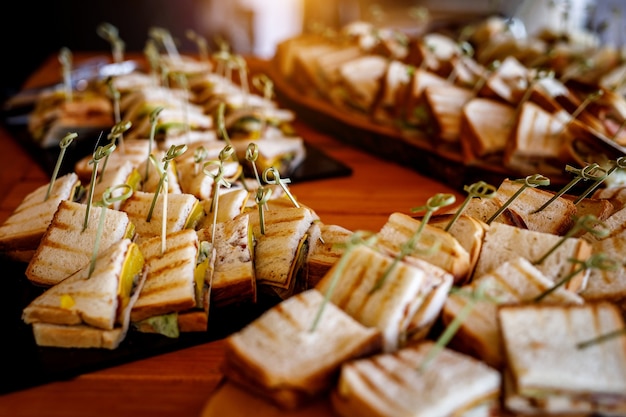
x=229 y=400
x=410 y=148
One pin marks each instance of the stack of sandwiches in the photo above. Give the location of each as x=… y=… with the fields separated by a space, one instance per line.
x=90 y=310
x=467 y=95
x=412 y=303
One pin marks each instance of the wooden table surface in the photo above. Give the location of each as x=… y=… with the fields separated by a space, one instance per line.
x=180 y=383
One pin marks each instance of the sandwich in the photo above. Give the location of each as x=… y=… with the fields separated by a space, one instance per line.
x=184 y=211
x=178 y=284
x=359 y=82
x=195 y=180
x=280 y=356
x=90 y=309
x=283 y=153
x=434 y=52
x=615 y=194
x=468 y=230
x=287 y=51
x=539 y=142
x=231 y=203
x=507 y=82
x=504 y=243
x=560 y=362
x=516 y=281
x=133 y=151
x=556 y=218
x=151 y=176
x=85 y=112
x=234 y=280
x=254 y=122
x=281 y=248
x=485 y=128
x=326 y=66
x=450 y=255
x=124 y=173
x=401 y=299
x=445 y=104
x=327 y=244
x=393 y=85
x=22 y=231
x=414 y=111
x=608 y=284
x=483 y=209
x=406 y=383
x=67 y=245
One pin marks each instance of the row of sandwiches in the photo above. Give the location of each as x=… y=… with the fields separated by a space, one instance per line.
x=505 y=110
x=498 y=320
x=173 y=100
x=189 y=236
x=162 y=275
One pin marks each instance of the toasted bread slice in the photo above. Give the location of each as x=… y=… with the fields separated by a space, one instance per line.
x=326 y=66
x=539 y=142
x=135 y=151
x=183 y=211
x=392 y=384
x=280 y=252
x=512 y=282
x=66 y=247
x=195 y=181
x=445 y=103
x=169 y=286
x=413 y=106
x=507 y=82
x=359 y=82
x=504 y=242
x=232 y=202
x=234 y=280
x=616 y=195
x=380 y=294
x=279 y=357
x=22 y=231
x=88 y=309
x=483 y=209
x=151 y=176
x=468 y=230
x=548 y=373
x=394 y=84
x=557 y=218
x=326 y=245
x=485 y=128
x=606 y=284
x=450 y=256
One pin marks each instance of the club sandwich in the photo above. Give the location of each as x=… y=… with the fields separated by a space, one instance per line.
x=90 y=308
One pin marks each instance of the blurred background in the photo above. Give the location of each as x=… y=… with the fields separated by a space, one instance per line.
x=34 y=30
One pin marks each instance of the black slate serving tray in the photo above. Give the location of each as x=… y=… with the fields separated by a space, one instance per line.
x=26 y=365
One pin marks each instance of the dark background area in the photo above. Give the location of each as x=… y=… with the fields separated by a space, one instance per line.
x=32 y=31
